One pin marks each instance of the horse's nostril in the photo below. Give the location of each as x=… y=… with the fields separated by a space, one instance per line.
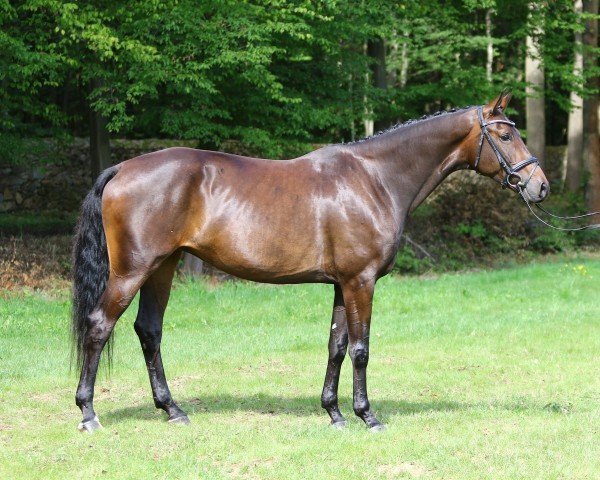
x=544 y=190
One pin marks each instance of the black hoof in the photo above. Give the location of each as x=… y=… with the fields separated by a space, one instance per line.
x=181 y=420
x=339 y=425
x=377 y=428
x=90 y=426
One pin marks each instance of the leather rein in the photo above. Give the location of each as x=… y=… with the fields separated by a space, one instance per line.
x=514 y=180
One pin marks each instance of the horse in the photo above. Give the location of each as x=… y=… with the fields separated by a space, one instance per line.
x=334 y=216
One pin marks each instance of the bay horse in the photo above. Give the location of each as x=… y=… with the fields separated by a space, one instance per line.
x=332 y=216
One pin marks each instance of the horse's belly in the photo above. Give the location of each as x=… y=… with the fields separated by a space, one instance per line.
x=260 y=254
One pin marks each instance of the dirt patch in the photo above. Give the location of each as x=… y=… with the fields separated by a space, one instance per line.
x=44 y=263
x=29 y=262
x=402 y=470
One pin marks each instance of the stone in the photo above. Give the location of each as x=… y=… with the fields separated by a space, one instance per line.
x=7 y=206
x=18 y=198
x=8 y=194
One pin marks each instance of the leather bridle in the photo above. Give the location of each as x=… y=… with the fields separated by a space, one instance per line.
x=512 y=177
x=514 y=180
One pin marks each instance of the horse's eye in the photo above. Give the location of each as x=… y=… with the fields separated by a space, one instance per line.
x=505 y=137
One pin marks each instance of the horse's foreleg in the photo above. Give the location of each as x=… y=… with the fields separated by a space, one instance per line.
x=338 y=343
x=358 y=299
x=116 y=298
x=154 y=296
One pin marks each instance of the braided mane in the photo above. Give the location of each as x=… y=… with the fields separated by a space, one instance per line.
x=412 y=121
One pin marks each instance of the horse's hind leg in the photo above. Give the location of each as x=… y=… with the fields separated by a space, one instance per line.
x=338 y=343
x=116 y=298
x=154 y=296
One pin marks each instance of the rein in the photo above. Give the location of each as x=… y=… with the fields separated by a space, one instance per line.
x=513 y=179
x=594 y=226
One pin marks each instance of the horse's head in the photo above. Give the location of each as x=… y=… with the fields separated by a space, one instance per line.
x=497 y=151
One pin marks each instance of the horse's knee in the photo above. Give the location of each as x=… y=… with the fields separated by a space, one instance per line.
x=337 y=354
x=360 y=356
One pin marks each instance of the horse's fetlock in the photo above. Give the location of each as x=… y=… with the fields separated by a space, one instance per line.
x=161 y=403
x=328 y=399
x=82 y=399
x=361 y=407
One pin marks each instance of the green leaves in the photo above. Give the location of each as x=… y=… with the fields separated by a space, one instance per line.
x=267 y=73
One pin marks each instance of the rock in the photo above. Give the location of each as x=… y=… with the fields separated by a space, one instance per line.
x=7 y=206
x=18 y=198
x=8 y=194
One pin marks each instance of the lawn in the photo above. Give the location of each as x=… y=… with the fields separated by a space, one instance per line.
x=477 y=375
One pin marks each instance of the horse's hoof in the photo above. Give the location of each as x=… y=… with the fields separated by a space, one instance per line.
x=90 y=426
x=377 y=428
x=182 y=420
x=339 y=425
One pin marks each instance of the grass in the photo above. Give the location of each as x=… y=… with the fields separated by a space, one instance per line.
x=37 y=224
x=477 y=375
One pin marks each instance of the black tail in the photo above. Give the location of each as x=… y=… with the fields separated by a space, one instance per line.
x=90 y=263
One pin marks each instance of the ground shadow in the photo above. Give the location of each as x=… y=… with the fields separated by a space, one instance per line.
x=301 y=406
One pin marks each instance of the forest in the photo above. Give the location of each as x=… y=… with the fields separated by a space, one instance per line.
x=280 y=78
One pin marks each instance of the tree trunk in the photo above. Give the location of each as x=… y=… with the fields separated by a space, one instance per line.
x=376 y=50
x=572 y=169
x=192 y=266
x=591 y=137
x=534 y=105
x=490 y=46
x=99 y=139
x=404 y=62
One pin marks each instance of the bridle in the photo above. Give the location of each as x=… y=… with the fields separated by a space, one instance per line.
x=512 y=177
x=514 y=180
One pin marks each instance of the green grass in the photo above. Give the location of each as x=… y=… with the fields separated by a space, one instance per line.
x=37 y=224
x=477 y=375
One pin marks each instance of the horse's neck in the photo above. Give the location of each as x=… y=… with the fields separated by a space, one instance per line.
x=413 y=160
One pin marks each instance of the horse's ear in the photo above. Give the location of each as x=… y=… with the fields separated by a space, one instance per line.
x=499 y=104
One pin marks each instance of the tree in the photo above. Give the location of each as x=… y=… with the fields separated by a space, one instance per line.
x=275 y=76
x=490 y=46
x=99 y=138
x=573 y=165
x=591 y=145
x=534 y=76
x=376 y=51
x=32 y=66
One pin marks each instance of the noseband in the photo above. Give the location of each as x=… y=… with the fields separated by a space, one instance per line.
x=512 y=177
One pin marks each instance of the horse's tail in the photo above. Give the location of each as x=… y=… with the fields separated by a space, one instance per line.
x=90 y=263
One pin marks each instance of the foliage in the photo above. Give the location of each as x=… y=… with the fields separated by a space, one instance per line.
x=470 y=223
x=263 y=73
x=407 y=261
